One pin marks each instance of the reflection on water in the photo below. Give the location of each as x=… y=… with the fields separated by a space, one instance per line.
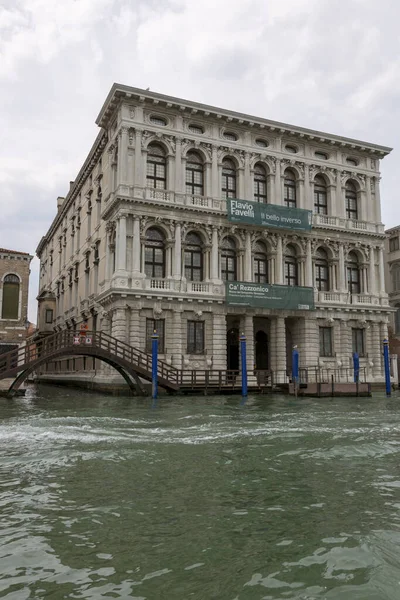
x=200 y=498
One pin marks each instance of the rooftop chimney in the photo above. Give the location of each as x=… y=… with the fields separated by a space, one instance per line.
x=60 y=201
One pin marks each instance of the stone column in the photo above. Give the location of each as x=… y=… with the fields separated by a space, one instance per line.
x=248 y=188
x=208 y=191
x=364 y=278
x=119 y=324
x=271 y=269
x=302 y=203
x=121 y=243
x=280 y=349
x=279 y=261
x=332 y=275
x=308 y=204
x=107 y=274
x=340 y=212
x=249 y=333
x=178 y=167
x=278 y=199
x=381 y=272
x=241 y=181
x=378 y=215
x=369 y=209
x=177 y=268
x=219 y=341
x=342 y=269
x=168 y=259
x=309 y=273
x=177 y=346
x=248 y=271
x=377 y=351
x=139 y=171
x=301 y=264
x=214 y=170
x=134 y=331
x=106 y=323
x=384 y=332
x=214 y=257
x=372 y=273
x=123 y=156
x=136 y=272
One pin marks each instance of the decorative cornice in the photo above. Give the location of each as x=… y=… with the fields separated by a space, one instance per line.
x=121 y=92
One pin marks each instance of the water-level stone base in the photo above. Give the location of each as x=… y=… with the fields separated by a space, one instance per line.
x=114 y=385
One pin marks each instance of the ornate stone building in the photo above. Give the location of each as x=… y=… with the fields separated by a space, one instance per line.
x=145 y=238
x=14 y=285
x=392 y=275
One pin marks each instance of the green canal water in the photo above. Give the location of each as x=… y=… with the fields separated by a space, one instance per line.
x=199 y=498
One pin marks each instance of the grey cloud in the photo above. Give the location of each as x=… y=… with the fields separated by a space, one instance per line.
x=326 y=65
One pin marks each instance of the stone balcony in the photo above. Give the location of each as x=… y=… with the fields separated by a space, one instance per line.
x=217 y=206
x=216 y=291
x=326 y=221
x=354 y=300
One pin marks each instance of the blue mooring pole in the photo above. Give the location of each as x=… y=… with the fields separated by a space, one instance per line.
x=154 y=365
x=244 y=366
x=387 y=367
x=356 y=365
x=295 y=369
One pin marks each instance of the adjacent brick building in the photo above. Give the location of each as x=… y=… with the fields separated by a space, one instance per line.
x=14 y=284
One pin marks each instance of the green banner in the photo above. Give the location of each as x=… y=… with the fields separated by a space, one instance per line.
x=268 y=215
x=264 y=295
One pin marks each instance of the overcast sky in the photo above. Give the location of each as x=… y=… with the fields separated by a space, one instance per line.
x=332 y=65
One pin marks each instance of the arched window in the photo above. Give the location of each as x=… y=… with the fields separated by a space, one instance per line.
x=228 y=178
x=228 y=260
x=10 y=304
x=260 y=183
x=353 y=273
x=290 y=189
x=291 y=267
x=321 y=270
x=320 y=196
x=154 y=257
x=194 y=174
x=351 y=201
x=260 y=262
x=193 y=257
x=156 y=167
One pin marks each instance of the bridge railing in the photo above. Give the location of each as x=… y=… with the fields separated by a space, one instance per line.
x=22 y=357
x=203 y=378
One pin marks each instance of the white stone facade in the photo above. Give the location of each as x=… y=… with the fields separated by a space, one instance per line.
x=392 y=275
x=161 y=168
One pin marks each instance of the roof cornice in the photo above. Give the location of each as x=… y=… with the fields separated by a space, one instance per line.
x=120 y=92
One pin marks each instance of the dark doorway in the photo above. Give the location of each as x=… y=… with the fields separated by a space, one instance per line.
x=262 y=357
x=232 y=349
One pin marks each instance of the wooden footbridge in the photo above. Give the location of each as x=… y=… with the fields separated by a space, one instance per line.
x=134 y=365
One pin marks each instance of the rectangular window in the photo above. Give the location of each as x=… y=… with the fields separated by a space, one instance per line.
x=291 y=273
x=195 y=337
x=157 y=325
x=393 y=244
x=325 y=341
x=49 y=315
x=358 y=341
x=351 y=208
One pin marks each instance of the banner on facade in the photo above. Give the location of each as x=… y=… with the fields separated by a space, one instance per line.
x=264 y=295
x=268 y=215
